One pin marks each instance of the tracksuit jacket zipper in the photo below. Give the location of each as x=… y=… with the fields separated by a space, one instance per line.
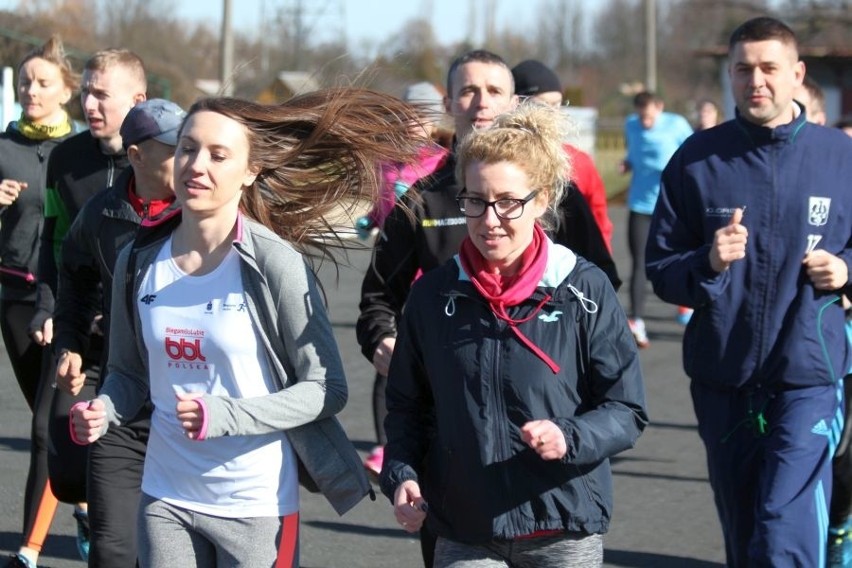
x=514 y=517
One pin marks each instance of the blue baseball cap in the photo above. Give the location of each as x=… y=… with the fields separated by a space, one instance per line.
x=155 y=118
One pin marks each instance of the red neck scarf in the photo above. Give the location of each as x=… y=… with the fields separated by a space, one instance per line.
x=502 y=292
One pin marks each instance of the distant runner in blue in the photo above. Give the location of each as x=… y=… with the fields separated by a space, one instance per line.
x=652 y=136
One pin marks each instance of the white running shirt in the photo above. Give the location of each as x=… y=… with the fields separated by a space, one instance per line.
x=200 y=338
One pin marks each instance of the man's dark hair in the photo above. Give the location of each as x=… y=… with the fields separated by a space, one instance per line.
x=645 y=98
x=478 y=55
x=764 y=29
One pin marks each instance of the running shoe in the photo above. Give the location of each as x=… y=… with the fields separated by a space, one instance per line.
x=637 y=328
x=374 y=461
x=683 y=315
x=82 y=518
x=19 y=561
x=840 y=546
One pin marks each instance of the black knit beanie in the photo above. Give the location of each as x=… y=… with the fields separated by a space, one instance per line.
x=533 y=77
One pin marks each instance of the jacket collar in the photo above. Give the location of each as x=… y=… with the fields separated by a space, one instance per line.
x=561 y=261
x=250 y=236
x=764 y=135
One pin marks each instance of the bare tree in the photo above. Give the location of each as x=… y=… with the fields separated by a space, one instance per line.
x=599 y=66
x=413 y=53
x=618 y=49
x=561 y=41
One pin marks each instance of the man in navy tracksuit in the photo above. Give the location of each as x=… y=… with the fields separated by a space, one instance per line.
x=753 y=229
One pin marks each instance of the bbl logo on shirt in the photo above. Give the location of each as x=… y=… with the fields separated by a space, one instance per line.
x=183 y=348
x=818 y=210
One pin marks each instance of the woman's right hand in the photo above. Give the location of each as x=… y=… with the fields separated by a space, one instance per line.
x=10 y=189
x=409 y=507
x=88 y=421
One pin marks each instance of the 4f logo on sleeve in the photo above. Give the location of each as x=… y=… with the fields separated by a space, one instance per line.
x=818 y=210
x=148 y=299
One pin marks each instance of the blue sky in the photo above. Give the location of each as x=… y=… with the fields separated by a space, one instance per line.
x=367 y=23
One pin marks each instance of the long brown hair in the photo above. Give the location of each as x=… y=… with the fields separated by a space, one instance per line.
x=317 y=156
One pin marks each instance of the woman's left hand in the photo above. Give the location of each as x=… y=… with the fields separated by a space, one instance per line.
x=545 y=438
x=190 y=413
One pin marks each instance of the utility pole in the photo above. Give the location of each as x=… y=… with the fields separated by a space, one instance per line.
x=490 y=20
x=650 y=45
x=299 y=33
x=264 y=44
x=472 y=21
x=226 y=55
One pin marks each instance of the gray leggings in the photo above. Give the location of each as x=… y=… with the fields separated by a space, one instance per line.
x=570 y=550
x=173 y=537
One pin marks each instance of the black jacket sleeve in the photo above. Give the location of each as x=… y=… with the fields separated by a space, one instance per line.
x=578 y=231
x=47 y=271
x=78 y=298
x=387 y=281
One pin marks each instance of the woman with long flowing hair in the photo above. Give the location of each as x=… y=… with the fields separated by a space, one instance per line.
x=227 y=332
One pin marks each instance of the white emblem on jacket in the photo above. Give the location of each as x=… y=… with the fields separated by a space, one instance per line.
x=818 y=210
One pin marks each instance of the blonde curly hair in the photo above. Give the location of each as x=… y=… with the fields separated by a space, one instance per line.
x=530 y=136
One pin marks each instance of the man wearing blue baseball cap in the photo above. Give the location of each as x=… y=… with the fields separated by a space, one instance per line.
x=106 y=223
x=154 y=119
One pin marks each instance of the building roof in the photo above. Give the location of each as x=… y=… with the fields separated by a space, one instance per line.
x=298 y=82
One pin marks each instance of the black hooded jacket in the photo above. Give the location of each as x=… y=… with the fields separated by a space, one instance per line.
x=106 y=224
x=461 y=386
x=408 y=246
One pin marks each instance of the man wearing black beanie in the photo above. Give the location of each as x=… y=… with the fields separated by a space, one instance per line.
x=535 y=80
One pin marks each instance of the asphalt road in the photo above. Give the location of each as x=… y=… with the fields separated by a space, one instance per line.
x=664 y=515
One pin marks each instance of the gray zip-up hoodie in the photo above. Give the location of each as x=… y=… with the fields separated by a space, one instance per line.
x=291 y=323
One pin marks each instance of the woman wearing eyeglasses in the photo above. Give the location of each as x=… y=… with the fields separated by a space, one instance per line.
x=515 y=377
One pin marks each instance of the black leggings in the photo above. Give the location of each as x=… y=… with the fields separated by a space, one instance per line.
x=53 y=455
x=25 y=357
x=66 y=461
x=638 y=227
x=24 y=354
x=114 y=490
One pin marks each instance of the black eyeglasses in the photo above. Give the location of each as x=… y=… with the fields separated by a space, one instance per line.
x=506 y=208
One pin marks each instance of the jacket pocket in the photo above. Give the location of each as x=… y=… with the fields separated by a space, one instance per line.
x=329 y=463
